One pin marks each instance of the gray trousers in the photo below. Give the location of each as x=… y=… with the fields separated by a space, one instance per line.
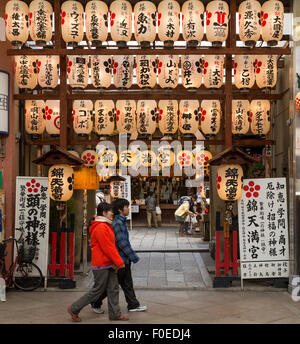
x=105 y=280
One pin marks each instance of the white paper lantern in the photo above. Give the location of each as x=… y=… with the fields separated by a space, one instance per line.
x=201 y=159
x=115 y=189
x=240 y=117
x=217 y=13
x=104 y=117
x=146 y=116
x=120 y=21
x=96 y=21
x=266 y=71
x=90 y=158
x=213 y=71
x=168 y=71
x=230 y=182
x=16 y=22
x=188 y=116
x=26 y=71
x=82 y=117
x=34 y=117
x=72 y=22
x=168 y=21
x=272 y=21
x=260 y=117
x=168 y=116
x=126 y=116
x=60 y=182
x=191 y=71
x=48 y=71
x=147 y=158
x=193 y=21
x=40 y=21
x=123 y=71
x=78 y=71
x=52 y=117
x=249 y=22
x=244 y=71
x=101 y=70
x=185 y=158
x=210 y=117
x=145 y=22
x=146 y=71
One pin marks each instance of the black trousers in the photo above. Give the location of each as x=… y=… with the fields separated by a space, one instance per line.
x=126 y=283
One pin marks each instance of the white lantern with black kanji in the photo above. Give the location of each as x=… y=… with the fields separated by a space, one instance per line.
x=90 y=158
x=191 y=71
x=213 y=71
x=126 y=116
x=168 y=71
x=52 y=117
x=272 y=21
x=82 y=117
x=188 y=116
x=60 y=182
x=146 y=116
x=168 y=21
x=16 y=22
x=266 y=71
x=101 y=70
x=121 y=21
x=166 y=158
x=244 y=71
x=104 y=117
x=249 y=22
x=217 y=13
x=230 y=182
x=145 y=22
x=240 y=117
x=123 y=71
x=193 y=21
x=128 y=158
x=108 y=158
x=260 y=117
x=147 y=158
x=34 y=117
x=210 y=117
x=72 y=22
x=168 y=116
x=78 y=71
x=115 y=189
x=96 y=21
x=26 y=71
x=48 y=71
x=146 y=71
x=40 y=21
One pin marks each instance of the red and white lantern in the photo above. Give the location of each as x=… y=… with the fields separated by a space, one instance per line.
x=249 y=22
x=240 y=117
x=120 y=21
x=217 y=13
x=185 y=158
x=26 y=71
x=82 y=117
x=230 y=182
x=168 y=71
x=146 y=116
x=244 y=71
x=213 y=71
x=126 y=116
x=266 y=71
x=101 y=70
x=78 y=71
x=193 y=21
x=272 y=21
x=48 y=71
x=298 y=100
x=168 y=21
x=123 y=71
x=96 y=21
x=168 y=116
x=201 y=159
x=210 y=117
x=104 y=117
x=146 y=71
x=90 y=158
x=72 y=22
x=191 y=71
x=188 y=116
x=52 y=117
x=40 y=21
x=34 y=117
x=145 y=22
x=260 y=117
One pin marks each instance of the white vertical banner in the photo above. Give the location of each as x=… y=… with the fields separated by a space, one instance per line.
x=263 y=229
x=126 y=192
x=32 y=216
x=4 y=102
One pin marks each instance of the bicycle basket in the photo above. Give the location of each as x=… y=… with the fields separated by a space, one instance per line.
x=26 y=253
x=3 y=252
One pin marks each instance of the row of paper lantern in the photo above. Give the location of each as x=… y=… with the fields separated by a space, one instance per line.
x=247 y=70
x=254 y=20
x=144 y=117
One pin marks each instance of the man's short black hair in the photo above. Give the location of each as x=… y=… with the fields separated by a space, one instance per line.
x=195 y=196
x=103 y=207
x=119 y=204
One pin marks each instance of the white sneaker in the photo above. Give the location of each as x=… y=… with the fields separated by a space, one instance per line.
x=138 y=309
x=97 y=310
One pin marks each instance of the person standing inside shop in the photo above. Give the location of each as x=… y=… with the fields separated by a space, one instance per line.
x=121 y=210
x=106 y=262
x=185 y=208
x=151 y=209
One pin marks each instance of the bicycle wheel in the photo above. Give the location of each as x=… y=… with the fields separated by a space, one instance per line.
x=27 y=276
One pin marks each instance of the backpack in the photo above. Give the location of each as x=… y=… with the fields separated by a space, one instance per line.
x=182 y=199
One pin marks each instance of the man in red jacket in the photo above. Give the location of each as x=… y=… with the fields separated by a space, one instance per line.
x=106 y=261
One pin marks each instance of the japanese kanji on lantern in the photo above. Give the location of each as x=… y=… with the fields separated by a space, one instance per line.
x=147 y=158
x=146 y=71
x=78 y=71
x=213 y=71
x=34 y=117
x=123 y=71
x=90 y=158
x=104 y=117
x=82 y=117
x=191 y=71
x=115 y=189
x=193 y=22
x=108 y=158
x=128 y=158
x=126 y=116
x=240 y=117
x=244 y=71
x=168 y=21
x=210 y=117
x=52 y=117
x=120 y=21
x=266 y=71
x=166 y=158
x=260 y=117
x=96 y=21
x=26 y=71
x=40 y=21
x=168 y=71
x=217 y=13
x=185 y=158
x=60 y=182
x=101 y=70
x=168 y=116
x=145 y=22
x=249 y=22
x=72 y=22
x=146 y=116
x=229 y=182
x=16 y=22
x=272 y=21
x=48 y=71
x=188 y=116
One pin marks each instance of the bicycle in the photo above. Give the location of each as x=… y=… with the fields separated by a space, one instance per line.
x=22 y=273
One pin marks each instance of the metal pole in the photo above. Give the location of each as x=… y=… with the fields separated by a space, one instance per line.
x=84 y=234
